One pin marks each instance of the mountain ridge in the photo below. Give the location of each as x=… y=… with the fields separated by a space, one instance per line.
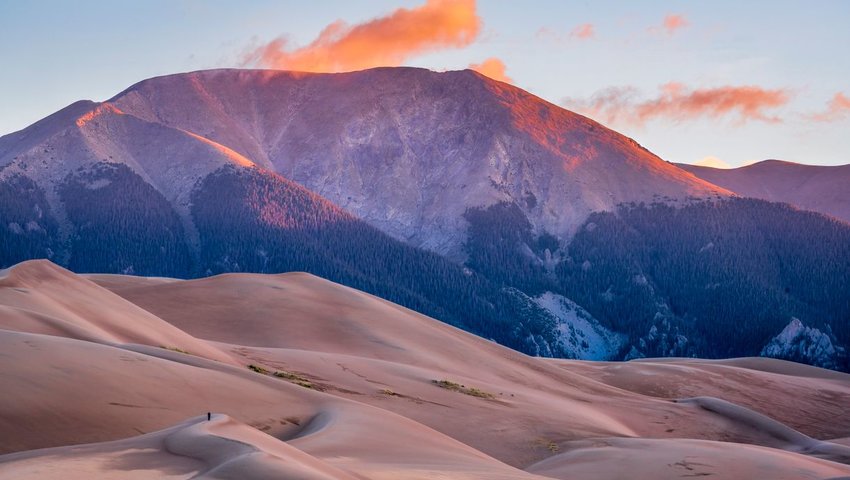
x=820 y=188
x=462 y=139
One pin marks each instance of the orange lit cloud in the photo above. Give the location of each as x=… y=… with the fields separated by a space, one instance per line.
x=671 y=24
x=493 y=68
x=583 y=31
x=678 y=103
x=674 y=22
x=385 y=41
x=837 y=109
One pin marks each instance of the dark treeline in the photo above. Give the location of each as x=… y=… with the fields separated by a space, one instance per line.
x=122 y=225
x=501 y=246
x=734 y=272
x=249 y=220
x=27 y=230
x=255 y=221
x=710 y=279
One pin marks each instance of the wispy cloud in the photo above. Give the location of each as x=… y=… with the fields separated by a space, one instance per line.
x=584 y=31
x=671 y=24
x=838 y=108
x=385 y=41
x=493 y=68
x=678 y=103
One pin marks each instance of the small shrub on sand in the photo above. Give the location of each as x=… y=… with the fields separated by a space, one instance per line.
x=456 y=387
x=549 y=444
x=258 y=369
x=477 y=393
x=448 y=385
x=288 y=376
x=175 y=349
x=294 y=378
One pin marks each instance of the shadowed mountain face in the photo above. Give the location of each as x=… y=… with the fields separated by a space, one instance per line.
x=717 y=280
x=824 y=189
x=249 y=219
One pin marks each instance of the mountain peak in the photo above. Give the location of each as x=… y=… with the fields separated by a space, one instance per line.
x=457 y=138
x=407 y=149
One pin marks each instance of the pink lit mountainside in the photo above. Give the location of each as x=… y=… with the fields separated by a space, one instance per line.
x=463 y=198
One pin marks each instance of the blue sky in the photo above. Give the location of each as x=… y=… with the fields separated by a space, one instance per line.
x=56 y=52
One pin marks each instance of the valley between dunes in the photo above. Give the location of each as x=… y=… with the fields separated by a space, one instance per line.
x=108 y=376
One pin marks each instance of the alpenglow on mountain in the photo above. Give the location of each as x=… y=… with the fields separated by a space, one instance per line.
x=407 y=150
x=465 y=198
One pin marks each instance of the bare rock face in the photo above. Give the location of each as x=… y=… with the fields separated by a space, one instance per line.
x=408 y=150
x=800 y=343
x=811 y=187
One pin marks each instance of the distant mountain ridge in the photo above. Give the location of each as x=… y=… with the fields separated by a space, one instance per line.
x=820 y=188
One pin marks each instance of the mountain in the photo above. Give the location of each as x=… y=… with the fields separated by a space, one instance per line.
x=407 y=150
x=812 y=187
x=181 y=176
x=452 y=194
x=718 y=279
x=318 y=380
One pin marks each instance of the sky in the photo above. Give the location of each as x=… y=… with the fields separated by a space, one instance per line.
x=723 y=83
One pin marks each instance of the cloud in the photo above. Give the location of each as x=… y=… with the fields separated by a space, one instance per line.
x=713 y=162
x=674 y=22
x=678 y=103
x=671 y=24
x=837 y=109
x=493 y=68
x=385 y=41
x=584 y=31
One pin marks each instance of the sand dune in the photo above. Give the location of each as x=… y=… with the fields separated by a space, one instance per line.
x=809 y=399
x=128 y=393
x=366 y=389
x=639 y=458
x=220 y=448
x=40 y=297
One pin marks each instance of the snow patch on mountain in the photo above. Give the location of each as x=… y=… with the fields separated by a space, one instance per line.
x=800 y=343
x=580 y=332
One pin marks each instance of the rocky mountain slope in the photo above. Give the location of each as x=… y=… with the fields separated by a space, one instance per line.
x=408 y=150
x=818 y=188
